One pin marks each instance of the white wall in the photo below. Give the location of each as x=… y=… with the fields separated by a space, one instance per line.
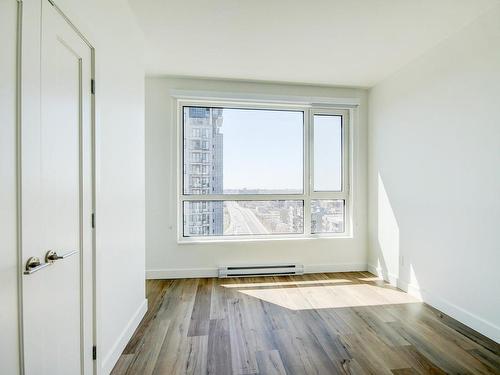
x=9 y=344
x=166 y=258
x=120 y=235
x=434 y=176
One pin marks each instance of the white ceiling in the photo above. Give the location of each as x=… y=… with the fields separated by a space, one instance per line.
x=334 y=42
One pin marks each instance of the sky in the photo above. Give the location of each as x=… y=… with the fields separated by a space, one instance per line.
x=327 y=153
x=263 y=149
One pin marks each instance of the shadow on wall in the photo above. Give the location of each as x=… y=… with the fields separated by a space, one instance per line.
x=419 y=245
x=391 y=262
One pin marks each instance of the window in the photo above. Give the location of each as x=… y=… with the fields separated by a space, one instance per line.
x=248 y=217
x=327 y=130
x=327 y=216
x=262 y=171
x=254 y=151
x=195 y=158
x=195 y=169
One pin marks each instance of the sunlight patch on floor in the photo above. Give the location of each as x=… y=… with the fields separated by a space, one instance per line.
x=285 y=283
x=374 y=278
x=330 y=296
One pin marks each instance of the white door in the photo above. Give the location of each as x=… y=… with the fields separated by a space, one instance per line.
x=56 y=199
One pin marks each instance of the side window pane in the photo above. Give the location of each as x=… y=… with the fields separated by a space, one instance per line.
x=243 y=151
x=327 y=216
x=233 y=218
x=327 y=153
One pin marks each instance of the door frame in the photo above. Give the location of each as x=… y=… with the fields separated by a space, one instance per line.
x=28 y=63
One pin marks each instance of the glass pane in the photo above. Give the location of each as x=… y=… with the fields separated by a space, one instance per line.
x=242 y=151
x=232 y=218
x=327 y=216
x=327 y=153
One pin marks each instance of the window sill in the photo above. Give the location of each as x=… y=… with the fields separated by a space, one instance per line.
x=219 y=240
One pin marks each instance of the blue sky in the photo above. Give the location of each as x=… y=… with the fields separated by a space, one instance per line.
x=264 y=150
x=327 y=153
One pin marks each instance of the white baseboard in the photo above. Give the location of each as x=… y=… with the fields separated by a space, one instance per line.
x=339 y=267
x=389 y=277
x=111 y=358
x=411 y=289
x=181 y=273
x=374 y=270
x=186 y=273
x=471 y=320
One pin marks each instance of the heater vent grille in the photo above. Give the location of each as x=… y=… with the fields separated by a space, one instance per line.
x=261 y=270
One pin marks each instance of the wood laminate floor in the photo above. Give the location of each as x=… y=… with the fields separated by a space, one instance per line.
x=337 y=323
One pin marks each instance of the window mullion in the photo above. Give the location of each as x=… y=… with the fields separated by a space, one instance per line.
x=308 y=158
x=243 y=197
x=329 y=195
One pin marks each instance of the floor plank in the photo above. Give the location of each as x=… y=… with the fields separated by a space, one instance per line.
x=329 y=323
x=219 y=348
x=200 y=316
x=147 y=356
x=270 y=363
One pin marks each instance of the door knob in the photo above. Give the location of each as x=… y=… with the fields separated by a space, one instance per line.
x=33 y=265
x=52 y=256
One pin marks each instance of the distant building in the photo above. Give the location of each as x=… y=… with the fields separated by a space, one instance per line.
x=203 y=170
x=327 y=216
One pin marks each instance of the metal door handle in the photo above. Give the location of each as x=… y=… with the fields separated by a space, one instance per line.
x=52 y=256
x=33 y=265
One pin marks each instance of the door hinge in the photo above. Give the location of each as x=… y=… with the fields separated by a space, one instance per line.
x=93 y=221
x=94 y=352
x=92 y=86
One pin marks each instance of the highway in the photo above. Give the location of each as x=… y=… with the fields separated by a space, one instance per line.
x=243 y=220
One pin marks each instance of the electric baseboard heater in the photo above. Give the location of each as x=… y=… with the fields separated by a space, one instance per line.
x=261 y=270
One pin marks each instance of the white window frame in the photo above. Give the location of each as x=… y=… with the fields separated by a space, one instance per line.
x=347 y=111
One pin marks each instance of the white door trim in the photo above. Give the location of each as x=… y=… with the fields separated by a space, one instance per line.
x=28 y=78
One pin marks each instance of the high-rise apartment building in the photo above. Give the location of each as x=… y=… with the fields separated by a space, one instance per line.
x=203 y=170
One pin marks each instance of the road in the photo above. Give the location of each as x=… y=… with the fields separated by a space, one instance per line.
x=243 y=220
